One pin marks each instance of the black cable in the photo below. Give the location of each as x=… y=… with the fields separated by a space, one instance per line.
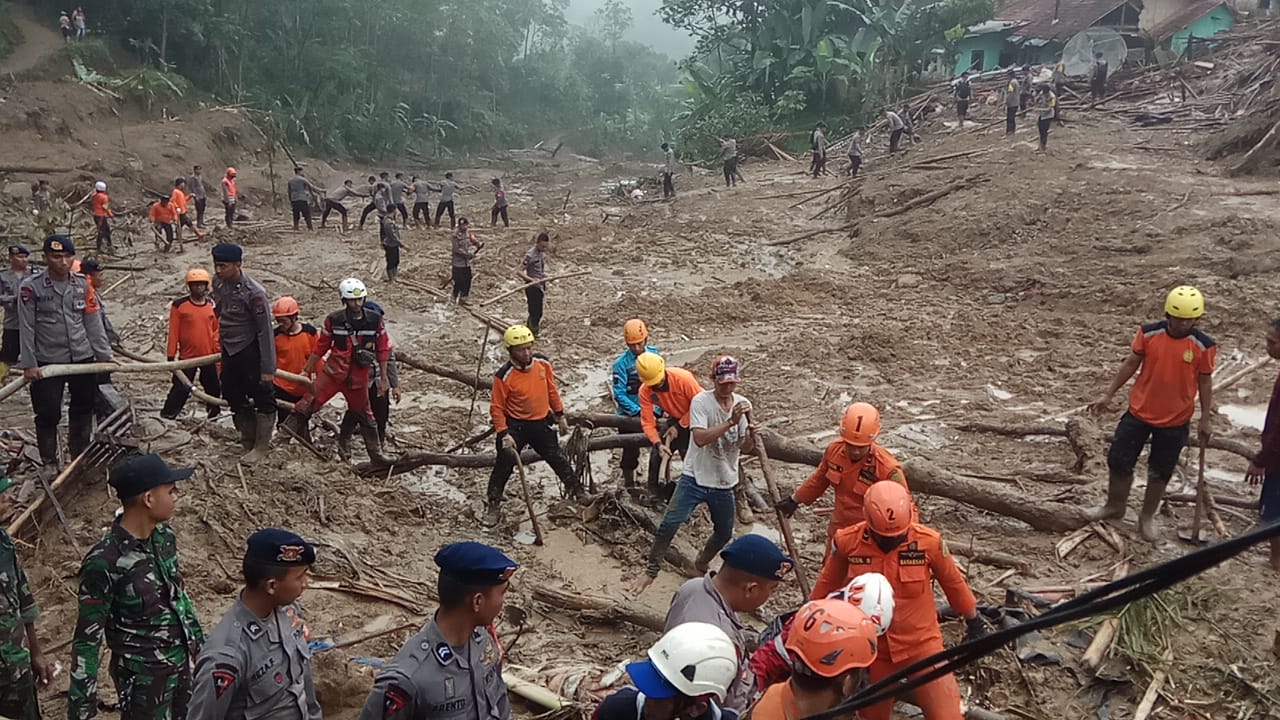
x=1110 y=596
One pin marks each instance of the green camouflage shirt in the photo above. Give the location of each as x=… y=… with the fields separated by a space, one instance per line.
x=17 y=609
x=132 y=590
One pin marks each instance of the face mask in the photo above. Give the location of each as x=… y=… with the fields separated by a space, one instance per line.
x=887 y=544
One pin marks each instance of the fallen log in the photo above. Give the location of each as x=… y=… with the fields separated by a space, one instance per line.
x=414 y=460
x=1049 y=429
x=993 y=558
x=483 y=383
x=612 y=609
x=812 y=233
x=930 y=198
x=1251 y=158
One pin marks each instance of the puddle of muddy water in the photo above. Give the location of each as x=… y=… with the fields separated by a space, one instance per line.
x=433 y=481
x=1245 y=416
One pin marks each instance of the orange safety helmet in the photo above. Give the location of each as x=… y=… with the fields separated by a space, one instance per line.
x=198 y=275
x=860 y=424
x=831 y=637
x=889 y=508
x=284 y=307
x=231 y=172
x=635 y=331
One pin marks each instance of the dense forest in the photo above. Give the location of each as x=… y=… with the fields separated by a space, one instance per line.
x=372 y=79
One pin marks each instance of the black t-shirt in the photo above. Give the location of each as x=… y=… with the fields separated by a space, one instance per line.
x=627 y=704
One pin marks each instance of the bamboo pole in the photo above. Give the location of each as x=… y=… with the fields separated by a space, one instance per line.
x=513 y=291
x=783 y=523
x=18 y=522
x=528 y=501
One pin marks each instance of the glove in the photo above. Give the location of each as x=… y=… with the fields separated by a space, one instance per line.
x=563 y=425
x=975 y=629
x=787 y=506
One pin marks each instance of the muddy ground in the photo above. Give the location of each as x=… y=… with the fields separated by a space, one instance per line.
x=1008 y=301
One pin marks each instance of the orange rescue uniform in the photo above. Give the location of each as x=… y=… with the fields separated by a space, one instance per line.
x=178 y=201
x=777 y=703
x=682 y=386
x=193 y=329
x=101 y=205
x=162 y=214
x=915 y=634
x=850 y=480
x=1164 y=395
x=292 y=352
x=528 y=394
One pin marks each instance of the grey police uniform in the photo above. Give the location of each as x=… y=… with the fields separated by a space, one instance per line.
x=698 y=600
x=255 y=669
x=248 y=344
x=10 y=282
x=430 y=680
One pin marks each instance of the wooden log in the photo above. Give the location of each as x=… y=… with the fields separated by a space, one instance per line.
x=1101 y=643
x=26 y=515
x=513 y=291
x=1237 y=502
x=1251 y=158
x=1053 y=430
x=774 y=497
x=812 y=233
x=993 y=558
x=929 y=198
x=414 y=460
x=612 y=609
x=482 y=383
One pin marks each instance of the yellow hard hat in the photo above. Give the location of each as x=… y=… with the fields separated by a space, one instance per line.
x=651 y=368
x=635 y=331
x=517 y=335
x=1185 y=302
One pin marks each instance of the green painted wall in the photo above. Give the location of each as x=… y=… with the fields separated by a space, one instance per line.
x=989 y=45
x=1209 y=24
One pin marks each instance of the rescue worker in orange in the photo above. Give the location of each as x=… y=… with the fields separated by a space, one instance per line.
x=852 y=463
x=163 y=216
x=295 y=342
x=179 y=200
x=1174 y=360
x=671 y=389
x=229 y=195
x=355 y=339
x=911 y=556
x=193 y=333
x=526 y=410
x=100 y=206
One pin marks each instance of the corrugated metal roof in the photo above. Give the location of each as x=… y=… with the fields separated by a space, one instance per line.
x=1036 y=18
x=1184 y=17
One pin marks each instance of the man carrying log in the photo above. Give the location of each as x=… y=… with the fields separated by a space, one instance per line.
x=248 y=350
x=452 y=668
x=753 y=567
x=352 y=341
x=911 y=556
x=626 y=395
x=720 y=429
x=60 y=321
x=1175 y=360
x=851 y=463
x=1265 y=468
x=686 y=677
x=193 y=332
x=665 y=391
x=526 y=409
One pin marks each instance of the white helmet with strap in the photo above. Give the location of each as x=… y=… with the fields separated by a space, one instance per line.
x=697 y=658
x=351 y=289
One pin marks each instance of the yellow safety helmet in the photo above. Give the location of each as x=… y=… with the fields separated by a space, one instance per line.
x=635 y=331
x=651 y=368
x=1184 y=302
x=517 y=335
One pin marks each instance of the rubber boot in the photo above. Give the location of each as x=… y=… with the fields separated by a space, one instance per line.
x=370 y=436
x=298 y=425
x=1150 y=504
x=628 y=477
x=244 y=422
x=492 y=513
x=79 y=430
x=1117 y=494
x=264 y=424
x=350 y=421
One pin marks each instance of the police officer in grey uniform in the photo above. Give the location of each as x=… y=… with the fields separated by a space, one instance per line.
x=256 y=663
x=300 y=190
x=108 y=399
x=60 y=321
x=248 y=350
x=10 y=280
x=452 y=669
x=199 y=194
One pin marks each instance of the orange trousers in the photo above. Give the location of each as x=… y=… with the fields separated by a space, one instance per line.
x=939 y=699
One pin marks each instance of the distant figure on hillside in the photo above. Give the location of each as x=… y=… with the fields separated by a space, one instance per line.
x=199 y=193
x=729 y=152
x=447 y=188
x=1098 y=77
x=1012 y=90
x=896 y=126
x=964 y=92
x=77 y=21
x=229 y=195
x=41 y=196
x=855 y=152
x=64 y=25
x=819 y=149
x=668 y=171
x=300 y=189
x=499 y=204
x=1047 y=104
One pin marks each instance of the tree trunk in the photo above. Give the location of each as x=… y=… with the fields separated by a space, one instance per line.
x=609 y=609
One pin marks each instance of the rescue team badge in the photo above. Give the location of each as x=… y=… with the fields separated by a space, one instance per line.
x=224 y=676
x=394 y=699
x=290 y=553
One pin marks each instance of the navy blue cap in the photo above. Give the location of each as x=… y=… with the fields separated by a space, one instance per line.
x=19 y=250
x=227 y=252
x=273 y=546
x=647 y=679
x=758 y=555
x=475 y=563
x=139 y=473
x=371 y=305
x=59 y=243
x=91 y=265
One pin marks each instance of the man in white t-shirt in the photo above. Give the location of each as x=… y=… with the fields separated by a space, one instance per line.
x=720 y=430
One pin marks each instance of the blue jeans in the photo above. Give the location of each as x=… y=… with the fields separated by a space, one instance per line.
x=688 y=496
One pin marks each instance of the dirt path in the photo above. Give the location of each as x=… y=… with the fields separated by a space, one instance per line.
x=38 y=40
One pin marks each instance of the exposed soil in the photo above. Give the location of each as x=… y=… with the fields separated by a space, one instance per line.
x=1009 y=301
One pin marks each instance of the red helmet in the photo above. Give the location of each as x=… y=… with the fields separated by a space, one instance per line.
x=832 y=637
x=889 y=509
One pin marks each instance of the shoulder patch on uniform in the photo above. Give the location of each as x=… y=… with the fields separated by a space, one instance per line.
x=258 y=304
x=1202 y=339
x=224 y=676
x=180 y=301
x=253 y=630
x=443 y=652
x=504 y=371
x=394 y=699
x=1154 y=328
x=310 y=329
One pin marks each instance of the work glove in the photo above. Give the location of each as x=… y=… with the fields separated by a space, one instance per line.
x=562 y=424
x=975 y=629
x=787 y=506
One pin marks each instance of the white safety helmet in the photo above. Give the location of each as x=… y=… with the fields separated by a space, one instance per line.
x=351 y=289
x=695 y=659
x=873 y=594
x=100 y=186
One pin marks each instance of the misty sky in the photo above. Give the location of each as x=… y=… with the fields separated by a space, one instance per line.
x=649 y=28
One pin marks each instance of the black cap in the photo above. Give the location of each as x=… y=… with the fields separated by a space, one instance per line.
x=91 y=266
x=59 y=243
x=272 y=546
x=475 y=563
x=227 y=252
x=19 y=250
x=139 y=473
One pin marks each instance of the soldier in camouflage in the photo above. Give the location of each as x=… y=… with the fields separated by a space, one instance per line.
x=22 y=665
x=131 y=590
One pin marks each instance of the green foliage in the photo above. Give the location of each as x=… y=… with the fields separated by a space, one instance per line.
x=9 y=34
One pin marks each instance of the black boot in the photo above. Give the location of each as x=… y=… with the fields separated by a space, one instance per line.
x=246 y=424
x=369 y=434
x=350 y=421
x=79 y=430
x=298 y=425
x=47 y=442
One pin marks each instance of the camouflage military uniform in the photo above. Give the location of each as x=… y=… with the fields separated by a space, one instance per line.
x=132 y=590
x=17 y=610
